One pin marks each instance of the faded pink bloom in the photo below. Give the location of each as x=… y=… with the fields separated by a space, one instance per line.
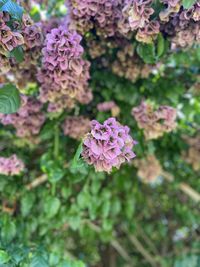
x=27 y=120
x=76 y=126
x=154 y=123
x=64 y=73
x=11 y=166
x=149 y=169
x=108 y=145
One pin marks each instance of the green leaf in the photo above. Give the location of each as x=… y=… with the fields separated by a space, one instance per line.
x=51 y=206
x=38 y=260
x=18 y=54
x=8 y=231
x=9 y=99
x=77 y=162
x=188 y=3
x=160 y=45
x=15 y=10
x=4 y=257
x=188 y=261
x=27 y=203
x=147 y=53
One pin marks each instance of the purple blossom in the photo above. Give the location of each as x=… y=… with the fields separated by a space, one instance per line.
x=108 y=145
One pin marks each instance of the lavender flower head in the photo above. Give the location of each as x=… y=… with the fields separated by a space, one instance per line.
x=108 y=145
x=11 y=166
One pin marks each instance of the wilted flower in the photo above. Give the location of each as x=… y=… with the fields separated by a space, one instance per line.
x=193 y=154
x=108 y=145
x=27 y=120
x=64 y=73
x=76 y=126
x=11 y=166
x=149 y=169
x=154 y=123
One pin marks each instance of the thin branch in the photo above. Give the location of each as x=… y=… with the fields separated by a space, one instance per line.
x=38 y=181
x=188 y=190
x=142 y=250
x=115 y=244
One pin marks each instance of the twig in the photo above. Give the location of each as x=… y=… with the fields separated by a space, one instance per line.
x=115 y=244
x=38 y=181
x=190 y=192
x=147 y=239
x=142 y=250
x=184 y=187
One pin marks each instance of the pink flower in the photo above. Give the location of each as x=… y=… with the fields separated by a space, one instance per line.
x=11 y=166
x=108 y=145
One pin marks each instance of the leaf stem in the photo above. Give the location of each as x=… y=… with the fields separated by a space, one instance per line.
x=56 y=141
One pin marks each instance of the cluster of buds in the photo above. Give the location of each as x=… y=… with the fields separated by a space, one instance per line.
x=11 y=166
x=108 y=145
x=149 y=169
x=76 y=126
x=154 y=122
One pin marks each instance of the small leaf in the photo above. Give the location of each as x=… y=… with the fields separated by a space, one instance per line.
x=38 y=260
x=18 y=54
x=27 y=202
x=77 y=162
x=188 y=3
x=147 y=53
x=4 y=257
x=51 y=206
x=160 y=45
x=15 y=10
x=9 y=99
x=8 y=231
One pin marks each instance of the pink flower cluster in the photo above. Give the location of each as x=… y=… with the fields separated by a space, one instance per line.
x=8 y=39
x=111 y=17
x=11 y=166
x=181 y=25
x=154 y=123
x=102 y=15
x=129 y=66
x=64 y=72
x=76 y=126
x=108 y=145
x=28 y=120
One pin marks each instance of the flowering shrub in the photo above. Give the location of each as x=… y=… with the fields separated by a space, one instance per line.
x=80 y=81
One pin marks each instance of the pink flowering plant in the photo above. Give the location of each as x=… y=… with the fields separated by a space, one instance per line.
x=99 y=133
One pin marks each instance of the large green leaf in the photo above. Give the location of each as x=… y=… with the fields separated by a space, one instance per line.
x=9 y=99
x=188 y=261
x=15 y=10
x=188 y=3
x=4 y=257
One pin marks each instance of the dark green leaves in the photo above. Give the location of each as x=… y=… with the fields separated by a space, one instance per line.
x=151 y=53
x=9 y=99
x=12 y=8
x=188 y=3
